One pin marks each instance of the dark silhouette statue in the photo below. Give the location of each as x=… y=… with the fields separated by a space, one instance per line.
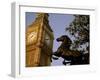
x=71 y=56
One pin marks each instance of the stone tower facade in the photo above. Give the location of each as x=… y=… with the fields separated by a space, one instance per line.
x=39 y=42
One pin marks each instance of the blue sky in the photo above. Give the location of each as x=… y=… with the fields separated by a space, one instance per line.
x=58 y=23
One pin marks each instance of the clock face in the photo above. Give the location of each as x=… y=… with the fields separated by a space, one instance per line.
x=32 y=37
x=47 y=39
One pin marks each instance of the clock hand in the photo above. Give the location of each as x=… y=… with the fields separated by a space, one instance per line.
x=47 y=39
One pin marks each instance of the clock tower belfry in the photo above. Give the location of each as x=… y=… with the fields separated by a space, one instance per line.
x=39 y=42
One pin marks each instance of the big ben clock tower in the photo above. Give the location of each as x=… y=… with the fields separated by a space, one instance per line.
x=39 y=42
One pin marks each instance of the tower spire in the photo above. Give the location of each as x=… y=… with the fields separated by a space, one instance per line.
x=44 y=18
x=38 y=15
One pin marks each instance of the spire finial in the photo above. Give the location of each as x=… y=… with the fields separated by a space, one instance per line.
x=42 y=15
